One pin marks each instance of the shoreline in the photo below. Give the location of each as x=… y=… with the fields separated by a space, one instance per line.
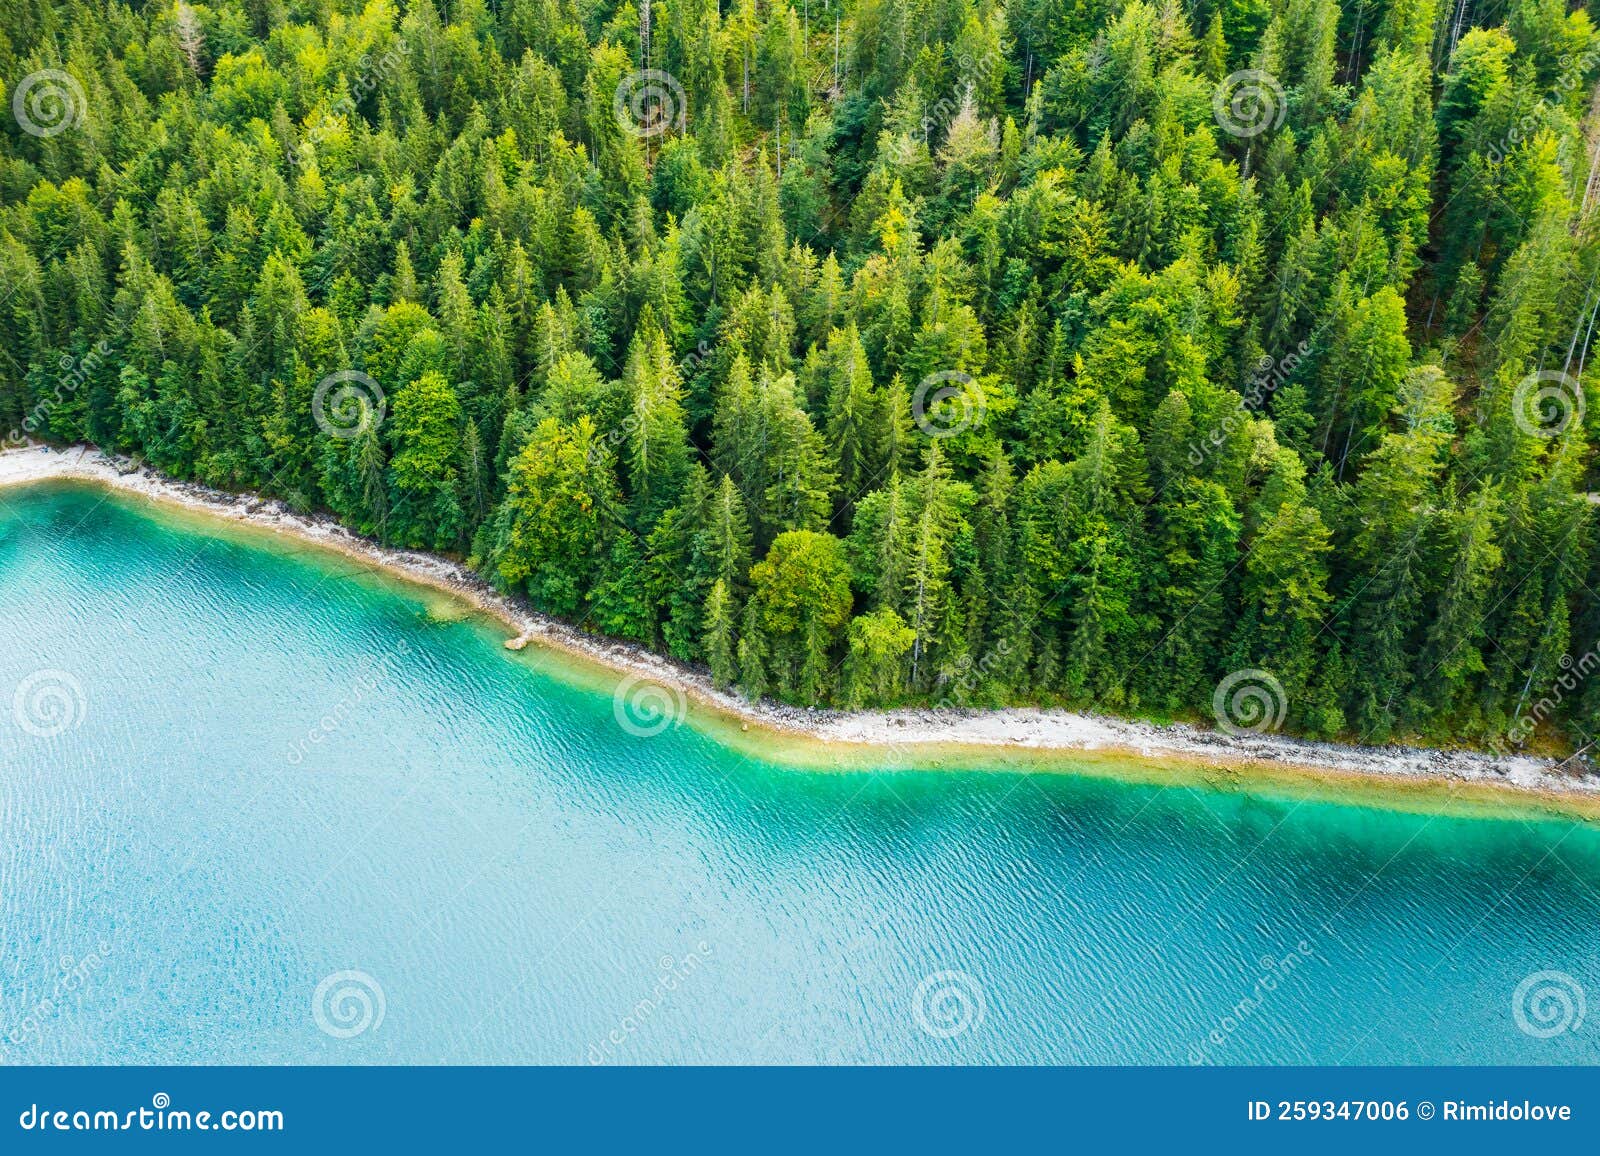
x=923 y=735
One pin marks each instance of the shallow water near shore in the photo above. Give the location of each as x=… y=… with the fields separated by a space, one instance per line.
x=289 y=800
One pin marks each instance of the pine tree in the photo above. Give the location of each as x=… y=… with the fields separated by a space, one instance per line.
x=721 y=644
x=619 y=363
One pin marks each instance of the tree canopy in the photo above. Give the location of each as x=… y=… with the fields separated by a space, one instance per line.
x=867 y=351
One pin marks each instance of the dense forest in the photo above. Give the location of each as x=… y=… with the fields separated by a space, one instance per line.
x=1102 y=353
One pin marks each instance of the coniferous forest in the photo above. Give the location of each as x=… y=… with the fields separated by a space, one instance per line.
x=974 y=352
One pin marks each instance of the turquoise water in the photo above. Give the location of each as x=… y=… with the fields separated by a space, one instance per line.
x=261 y=808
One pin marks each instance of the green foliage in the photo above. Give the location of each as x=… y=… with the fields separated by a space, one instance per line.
x=800 y=595
x=425 y=432
x=557 y=520
x=875 y=671
x=997 y=364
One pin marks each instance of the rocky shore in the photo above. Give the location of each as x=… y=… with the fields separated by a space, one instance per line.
x=1017 y=728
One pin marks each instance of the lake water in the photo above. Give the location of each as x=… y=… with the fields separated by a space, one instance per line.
x=259 y=807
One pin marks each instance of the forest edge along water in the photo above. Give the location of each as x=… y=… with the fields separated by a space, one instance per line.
x=264 y=770
x=1034 y=739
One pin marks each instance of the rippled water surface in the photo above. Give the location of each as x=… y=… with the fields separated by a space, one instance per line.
x=292 y=802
